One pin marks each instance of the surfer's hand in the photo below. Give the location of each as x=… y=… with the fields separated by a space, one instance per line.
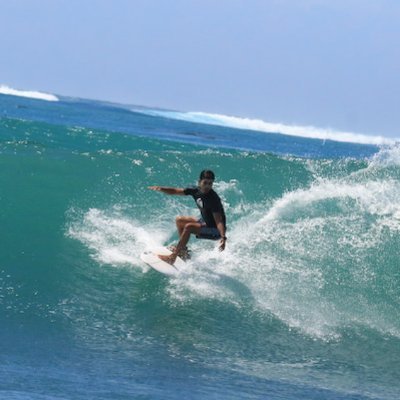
x=222 y=245
x=156 y=188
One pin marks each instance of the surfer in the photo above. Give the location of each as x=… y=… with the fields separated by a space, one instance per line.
x=211 y=225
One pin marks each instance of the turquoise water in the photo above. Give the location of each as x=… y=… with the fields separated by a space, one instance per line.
x=303 y=304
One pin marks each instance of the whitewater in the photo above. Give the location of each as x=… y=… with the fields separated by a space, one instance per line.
x=302 y=304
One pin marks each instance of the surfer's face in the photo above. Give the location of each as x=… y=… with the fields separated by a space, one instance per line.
x=206 y=185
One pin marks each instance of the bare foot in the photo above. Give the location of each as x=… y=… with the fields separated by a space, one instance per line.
x=184 y=254
x=168 y=259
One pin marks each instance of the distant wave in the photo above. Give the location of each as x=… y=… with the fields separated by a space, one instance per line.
x=27 y=93
x=262 y=126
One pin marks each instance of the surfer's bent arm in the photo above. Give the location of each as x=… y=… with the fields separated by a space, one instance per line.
x=167 y=190
x=221 y=229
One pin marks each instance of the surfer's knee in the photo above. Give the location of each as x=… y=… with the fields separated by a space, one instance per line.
x=191 y=227
x=179 y=220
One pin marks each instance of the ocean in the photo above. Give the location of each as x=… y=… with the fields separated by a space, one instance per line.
x=304 y=303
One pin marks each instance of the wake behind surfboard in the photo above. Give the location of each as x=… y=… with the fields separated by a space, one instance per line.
x=151 y=259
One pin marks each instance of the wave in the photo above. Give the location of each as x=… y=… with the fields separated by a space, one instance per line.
x=309 y=132
x=27 y=93
x=306 y=291
x=320 y=257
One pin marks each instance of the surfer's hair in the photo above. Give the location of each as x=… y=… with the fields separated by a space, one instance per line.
x=207 y=174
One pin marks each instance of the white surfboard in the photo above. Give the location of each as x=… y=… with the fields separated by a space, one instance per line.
x=151 y=259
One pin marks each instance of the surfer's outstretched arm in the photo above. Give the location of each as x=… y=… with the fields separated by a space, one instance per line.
x=167 y=190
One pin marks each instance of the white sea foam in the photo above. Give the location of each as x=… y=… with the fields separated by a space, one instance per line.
x=27 y=93
x=373 y=197
x=270 y=127
x=386 y=157
x=113 y=238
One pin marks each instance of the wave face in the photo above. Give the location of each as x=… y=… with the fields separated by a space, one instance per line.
x=27 y=93
x=303 y=304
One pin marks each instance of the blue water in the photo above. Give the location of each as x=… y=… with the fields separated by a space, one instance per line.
x=303 y=304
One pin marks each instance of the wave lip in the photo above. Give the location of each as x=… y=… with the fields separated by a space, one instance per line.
x=310 y=132
x=27 y=93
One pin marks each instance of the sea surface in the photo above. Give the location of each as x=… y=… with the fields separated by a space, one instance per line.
x=304 y=303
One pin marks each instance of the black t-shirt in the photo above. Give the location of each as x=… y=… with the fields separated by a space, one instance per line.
x=208 y=204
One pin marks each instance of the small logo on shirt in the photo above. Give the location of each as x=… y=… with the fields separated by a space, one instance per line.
x=199 y=202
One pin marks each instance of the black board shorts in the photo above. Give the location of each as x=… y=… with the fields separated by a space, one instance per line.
x=207 y=232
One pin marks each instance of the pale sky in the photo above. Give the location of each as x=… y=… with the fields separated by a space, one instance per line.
x=332 y=64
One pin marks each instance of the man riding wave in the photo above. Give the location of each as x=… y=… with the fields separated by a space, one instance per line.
x=211 y=225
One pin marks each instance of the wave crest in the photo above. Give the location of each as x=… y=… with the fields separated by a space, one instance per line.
x=310 y=132
x=27 y=93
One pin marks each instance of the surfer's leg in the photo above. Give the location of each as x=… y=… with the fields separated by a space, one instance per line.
x=191 y=227
x=181 y=222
